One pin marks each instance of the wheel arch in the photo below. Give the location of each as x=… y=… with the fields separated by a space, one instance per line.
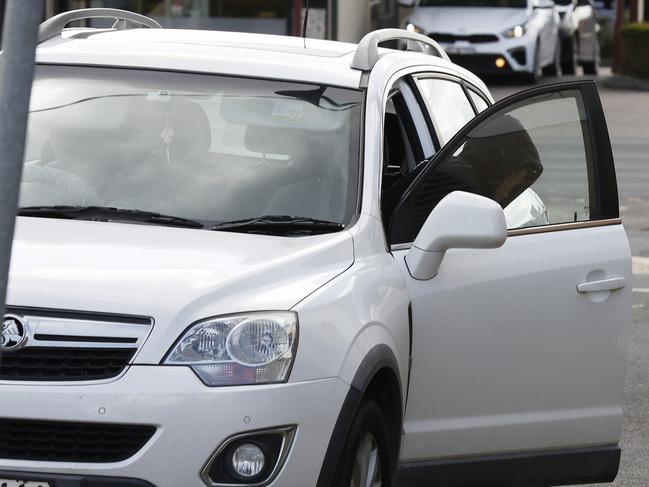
x=377 y=377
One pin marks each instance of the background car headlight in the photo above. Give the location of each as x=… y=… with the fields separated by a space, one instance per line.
x=515 y=32
x=252 y=348
x=413 y=28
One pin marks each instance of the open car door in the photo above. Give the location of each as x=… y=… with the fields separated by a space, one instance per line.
x=521 y=348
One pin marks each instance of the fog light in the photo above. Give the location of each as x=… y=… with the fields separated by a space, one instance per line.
x=500 y=62
x=248 y=460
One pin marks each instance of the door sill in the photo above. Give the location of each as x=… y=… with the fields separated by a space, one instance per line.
x=543 y=468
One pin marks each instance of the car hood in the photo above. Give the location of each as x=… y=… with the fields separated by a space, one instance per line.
x=467 y=20
x=175 y=276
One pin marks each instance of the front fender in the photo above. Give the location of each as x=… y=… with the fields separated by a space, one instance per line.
x=342 y=322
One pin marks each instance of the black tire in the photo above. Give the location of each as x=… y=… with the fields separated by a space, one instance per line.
x=569 y=56
x=535 y=75
x=368 y=425
x=591 y=69
x=554 y=69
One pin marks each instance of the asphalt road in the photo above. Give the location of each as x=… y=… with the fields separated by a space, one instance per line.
x=627 y=114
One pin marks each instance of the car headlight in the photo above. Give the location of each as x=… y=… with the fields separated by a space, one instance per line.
x=251 y=348
x=413 y=28
x=515 y=32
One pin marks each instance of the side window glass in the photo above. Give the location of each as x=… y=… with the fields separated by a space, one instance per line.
x=447 y=105
x=479 y=102
x=398 y=150
x=406 y=143
x=534 y=157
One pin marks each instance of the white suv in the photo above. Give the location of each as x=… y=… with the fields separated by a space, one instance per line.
x=240 y=261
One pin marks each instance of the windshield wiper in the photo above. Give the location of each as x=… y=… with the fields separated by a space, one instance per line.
x=280 y=225
x=108 y=214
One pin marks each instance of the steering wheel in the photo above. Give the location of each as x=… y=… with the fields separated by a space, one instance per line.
x=78 y=189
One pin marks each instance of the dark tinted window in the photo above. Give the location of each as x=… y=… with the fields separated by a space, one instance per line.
x=533 y=157
x=474 y=3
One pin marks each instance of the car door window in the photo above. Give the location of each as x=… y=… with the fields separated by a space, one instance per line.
x=536 y=157
x=447 y=105
x=406 y=143
x=400 y=150
x=478 y=101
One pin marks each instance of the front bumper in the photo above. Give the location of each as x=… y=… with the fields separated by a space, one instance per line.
x=192 y=420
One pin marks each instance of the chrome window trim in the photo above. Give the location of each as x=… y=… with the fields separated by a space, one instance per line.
x=559 y=227
x=556 y=227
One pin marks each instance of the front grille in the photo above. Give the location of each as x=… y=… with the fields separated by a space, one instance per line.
x=57 y=345
x=64 y=364
x=71 y=442
x=473 y=38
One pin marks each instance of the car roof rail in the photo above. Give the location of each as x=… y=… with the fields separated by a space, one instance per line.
x=123 y=20
x=367 y=52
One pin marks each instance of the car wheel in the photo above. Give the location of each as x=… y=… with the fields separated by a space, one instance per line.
x=367 y=458
x=569 y=56
x=554 y=69
x=535 y=75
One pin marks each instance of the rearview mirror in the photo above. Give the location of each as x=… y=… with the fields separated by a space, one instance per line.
x=460 y=221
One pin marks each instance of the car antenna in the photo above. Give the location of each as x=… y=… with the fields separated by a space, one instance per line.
x=306 y=21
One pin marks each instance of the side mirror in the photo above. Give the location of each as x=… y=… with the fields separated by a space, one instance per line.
x=543 y=4
x=406 y=3
x=460 y=221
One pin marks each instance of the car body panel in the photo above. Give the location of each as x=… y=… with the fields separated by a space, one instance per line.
x=554 y=360
x=364 y=307
x=226 y=53
x=175 y=276
x=191 y=421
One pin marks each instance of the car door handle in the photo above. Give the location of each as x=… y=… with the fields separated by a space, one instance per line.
x=611 y=284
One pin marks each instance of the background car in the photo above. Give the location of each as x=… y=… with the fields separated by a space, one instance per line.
x=494 y=36
x=578 y=32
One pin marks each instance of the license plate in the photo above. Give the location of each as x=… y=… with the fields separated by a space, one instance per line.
x=460 y=50
x=23 y=483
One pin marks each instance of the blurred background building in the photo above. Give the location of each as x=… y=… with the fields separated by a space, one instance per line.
x=345 y=20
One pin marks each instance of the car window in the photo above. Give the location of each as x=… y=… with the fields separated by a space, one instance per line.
x=209 y=148
x=401 y=149
x=479 y=102
x=447 y=105
x=534 y=158
x=406 y=143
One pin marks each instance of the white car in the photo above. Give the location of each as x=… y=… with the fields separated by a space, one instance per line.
x=579 y=36
x=243 y=262
x=493 y=36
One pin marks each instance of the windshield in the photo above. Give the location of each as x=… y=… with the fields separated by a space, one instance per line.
x=474 y=3
x=207 y=148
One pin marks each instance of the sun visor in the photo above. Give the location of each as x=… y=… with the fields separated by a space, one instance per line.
x=99 y=114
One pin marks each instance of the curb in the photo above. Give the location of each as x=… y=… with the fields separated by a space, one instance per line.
x=625 y=83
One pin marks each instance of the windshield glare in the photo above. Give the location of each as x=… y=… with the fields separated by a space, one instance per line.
x=474 y=3
x=209 y=148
